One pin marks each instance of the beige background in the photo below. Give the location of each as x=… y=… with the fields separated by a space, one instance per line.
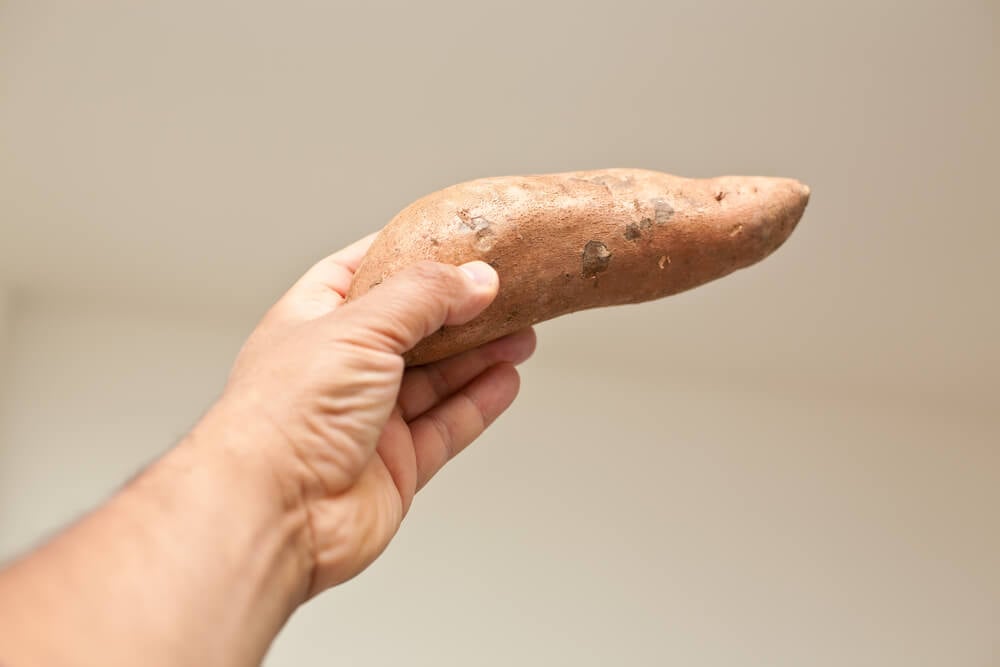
x=796 y=465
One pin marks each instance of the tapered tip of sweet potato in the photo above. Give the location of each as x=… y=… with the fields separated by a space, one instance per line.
x=796 y=197
x=789 y=190
x=762 y=213
x=790 y=200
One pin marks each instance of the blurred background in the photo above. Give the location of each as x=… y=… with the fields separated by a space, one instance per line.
x=799 y=464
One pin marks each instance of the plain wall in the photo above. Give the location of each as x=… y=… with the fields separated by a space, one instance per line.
x=795 y=465
x=95 y=391
x=5 y=321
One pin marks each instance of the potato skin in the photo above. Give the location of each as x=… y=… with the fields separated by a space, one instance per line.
x=567 y=242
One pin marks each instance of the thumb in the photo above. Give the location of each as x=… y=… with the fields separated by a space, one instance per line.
x=414 y=303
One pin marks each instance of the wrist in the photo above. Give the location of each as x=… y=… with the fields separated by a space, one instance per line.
x=249 y=477
x=221 y=489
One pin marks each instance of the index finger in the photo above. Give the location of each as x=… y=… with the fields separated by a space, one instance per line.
x=351 y=256
x=336 y=271
x=324 y=286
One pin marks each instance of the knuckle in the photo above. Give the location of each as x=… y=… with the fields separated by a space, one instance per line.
x=446 y=438
x=477 y=410
x=437 y=381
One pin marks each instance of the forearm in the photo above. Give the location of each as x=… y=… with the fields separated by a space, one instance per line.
x=198 y=561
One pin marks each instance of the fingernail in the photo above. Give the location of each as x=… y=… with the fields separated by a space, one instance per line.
x=480 y=272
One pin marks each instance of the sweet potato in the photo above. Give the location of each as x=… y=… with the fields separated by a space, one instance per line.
x=566 y=242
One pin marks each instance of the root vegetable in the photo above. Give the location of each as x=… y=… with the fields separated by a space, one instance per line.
x=567 y=242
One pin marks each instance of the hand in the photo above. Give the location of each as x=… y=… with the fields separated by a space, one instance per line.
x=351 y=435
x=294 y=481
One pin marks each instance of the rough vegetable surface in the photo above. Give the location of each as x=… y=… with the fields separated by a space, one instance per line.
x=566 y=242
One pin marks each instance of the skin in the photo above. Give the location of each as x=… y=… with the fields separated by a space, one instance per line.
x=584 y=239
x=293 y=482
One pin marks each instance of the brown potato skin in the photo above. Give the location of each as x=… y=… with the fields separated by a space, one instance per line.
x=567 y=242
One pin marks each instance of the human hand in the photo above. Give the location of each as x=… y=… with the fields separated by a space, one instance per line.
x=350 y=435
x=294 y=481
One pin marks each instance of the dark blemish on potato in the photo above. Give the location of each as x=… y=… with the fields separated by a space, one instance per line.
x=511 y=315
x=632 y=231
x=663 y=210
x=645 y=224
x=434 y=241
x=596 y=258
x=473 y=222
x=720 y=195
